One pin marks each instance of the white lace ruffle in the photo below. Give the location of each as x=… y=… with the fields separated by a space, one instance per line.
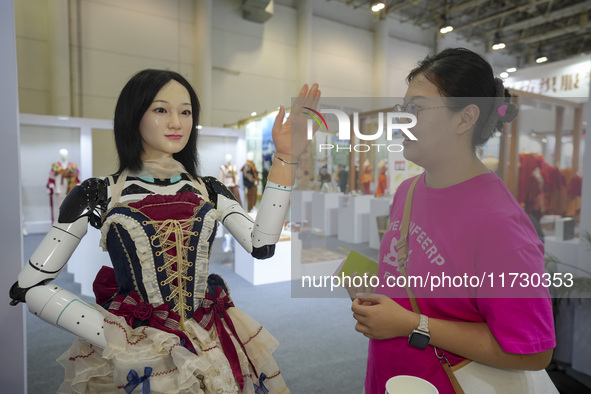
x=174 y=368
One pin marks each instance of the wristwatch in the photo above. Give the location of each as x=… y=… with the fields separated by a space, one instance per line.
x=420 y=336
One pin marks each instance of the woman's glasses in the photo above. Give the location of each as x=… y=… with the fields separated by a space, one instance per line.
x=412 y=109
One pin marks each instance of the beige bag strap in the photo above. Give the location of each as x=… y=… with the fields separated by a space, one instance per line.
x=402 y=244
x=402 y=247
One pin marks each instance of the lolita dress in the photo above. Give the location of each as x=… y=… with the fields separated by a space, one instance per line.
x=170 y=327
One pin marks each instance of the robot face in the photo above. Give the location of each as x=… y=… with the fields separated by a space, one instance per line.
x=167 y=124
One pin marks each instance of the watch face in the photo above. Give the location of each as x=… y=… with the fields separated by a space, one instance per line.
x=419 y=340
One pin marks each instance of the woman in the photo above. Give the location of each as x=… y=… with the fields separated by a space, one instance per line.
x=463 y=221
x=163 y=323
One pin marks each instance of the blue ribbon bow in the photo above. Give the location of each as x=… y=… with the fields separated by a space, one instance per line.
x=134 y=380
x=261 y=389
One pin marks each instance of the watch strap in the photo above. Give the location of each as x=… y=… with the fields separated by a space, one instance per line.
x=423 y=324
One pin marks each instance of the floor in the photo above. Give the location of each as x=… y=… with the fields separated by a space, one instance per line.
x=306 y=364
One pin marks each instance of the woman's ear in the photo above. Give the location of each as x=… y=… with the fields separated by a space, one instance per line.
x=468 y=118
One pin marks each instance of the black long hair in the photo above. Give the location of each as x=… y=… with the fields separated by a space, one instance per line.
x=135 y=99
x=461 y=75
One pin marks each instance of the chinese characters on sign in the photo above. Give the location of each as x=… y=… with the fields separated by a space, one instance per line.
x=555 y=84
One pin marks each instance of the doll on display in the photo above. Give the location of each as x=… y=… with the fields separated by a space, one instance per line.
x=251 y=181
x=367 y=177
x=63 y=176
x=161 y=320
x=382 y=179
x=229 y=177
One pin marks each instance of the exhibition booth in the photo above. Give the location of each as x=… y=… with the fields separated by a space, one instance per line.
x=343 y=193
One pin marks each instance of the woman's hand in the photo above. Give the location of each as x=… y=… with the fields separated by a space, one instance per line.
x=364 y=290
x=290 y=138
x=383 y=318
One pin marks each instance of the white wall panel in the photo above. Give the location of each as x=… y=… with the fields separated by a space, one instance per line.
x=160 y=8
x=227 y=15
x=346 y=74
x=252 y=55
x=403 y=57
x=125 y=31
x=30 y=19
x=13 y=363
x=33 y=60
x=342 y=40
x=236 y=96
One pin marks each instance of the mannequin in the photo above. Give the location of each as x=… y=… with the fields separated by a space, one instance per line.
x=251 y=180
x=367 y=177
x=382 y=179
x=63 y=176
x=229 y=177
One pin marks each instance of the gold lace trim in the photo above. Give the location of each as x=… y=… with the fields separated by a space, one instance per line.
x=182 y=233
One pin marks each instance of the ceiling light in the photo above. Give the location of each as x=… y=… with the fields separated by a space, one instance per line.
x=199 y=127
x=511 y=69
x=504 y=74
x=541 y=59
x=445 y=27
x=377 y=6
x=497 y=43
x=253 y=113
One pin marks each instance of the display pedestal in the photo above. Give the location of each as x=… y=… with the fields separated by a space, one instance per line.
x=325 y=212
x=260 y=272
x=318 y=268
x=87 y=260
x=353 y=219
x=301 y=206
x=565 y=251
x=377 y=207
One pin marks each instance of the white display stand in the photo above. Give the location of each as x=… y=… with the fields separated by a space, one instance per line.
x=565 y=251
x=354 y=219
x=321 y=268
x=325 y=212
x=377 y=207
x=260 y=272
x=301 y=206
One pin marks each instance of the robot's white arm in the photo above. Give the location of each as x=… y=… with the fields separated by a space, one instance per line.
x=51 y=303
x=256 y=237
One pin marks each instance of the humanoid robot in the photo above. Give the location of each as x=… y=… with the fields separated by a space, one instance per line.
x=158 y=224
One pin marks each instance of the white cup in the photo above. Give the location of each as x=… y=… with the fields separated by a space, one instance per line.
x=404 y=384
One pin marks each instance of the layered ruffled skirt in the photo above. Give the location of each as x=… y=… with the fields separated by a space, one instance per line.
x=142 y=358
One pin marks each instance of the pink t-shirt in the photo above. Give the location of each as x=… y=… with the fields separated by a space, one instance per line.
x=473 y=233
